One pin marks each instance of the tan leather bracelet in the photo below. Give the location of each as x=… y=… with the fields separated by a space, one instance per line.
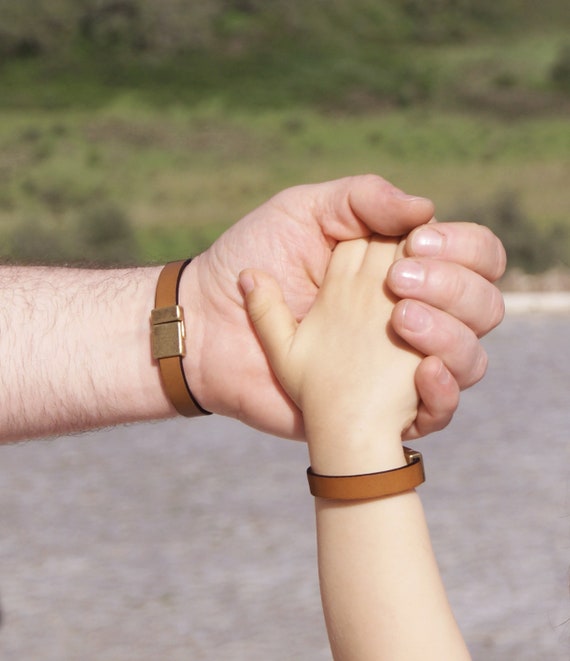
x=168 y=340
x=370 y=485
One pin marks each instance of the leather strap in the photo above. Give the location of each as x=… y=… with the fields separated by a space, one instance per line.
x=168 y=340
x=370 y=485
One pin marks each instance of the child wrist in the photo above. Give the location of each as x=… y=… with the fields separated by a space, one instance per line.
x=340 y=454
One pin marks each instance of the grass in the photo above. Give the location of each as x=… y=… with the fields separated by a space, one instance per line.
x=182 y=175
x=179 y=152
x=151 y=154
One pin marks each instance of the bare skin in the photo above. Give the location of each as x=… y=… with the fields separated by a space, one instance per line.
x=75 y=343
x=353 y=379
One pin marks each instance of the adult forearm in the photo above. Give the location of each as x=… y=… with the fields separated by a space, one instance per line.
x=74 y=347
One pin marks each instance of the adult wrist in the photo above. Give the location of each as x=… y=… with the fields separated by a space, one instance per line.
x=169 y=340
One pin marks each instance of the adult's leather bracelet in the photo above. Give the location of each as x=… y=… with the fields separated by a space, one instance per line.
x=169 y=340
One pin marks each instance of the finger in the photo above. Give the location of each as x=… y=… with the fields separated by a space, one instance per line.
x=439 y=394
x=471 y=245
x=379 y=257
x=455 y=289
x=436 y=333
x=356 y=206
x=347 y=258
x=273 y=321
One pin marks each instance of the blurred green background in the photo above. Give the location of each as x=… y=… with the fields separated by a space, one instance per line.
x=135 y=131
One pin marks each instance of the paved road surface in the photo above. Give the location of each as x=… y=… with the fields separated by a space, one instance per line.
x=194 y=541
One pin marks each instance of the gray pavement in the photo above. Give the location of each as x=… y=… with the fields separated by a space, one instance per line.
x=195 y=540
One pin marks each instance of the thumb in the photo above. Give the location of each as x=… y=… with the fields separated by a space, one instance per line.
x=272 y=319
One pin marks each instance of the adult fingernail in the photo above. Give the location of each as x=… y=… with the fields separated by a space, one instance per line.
x=407 y=274
x=396 y=192
x=415 y=317
x=427 y=242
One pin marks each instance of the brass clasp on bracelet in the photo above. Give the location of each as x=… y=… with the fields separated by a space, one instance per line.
x=168 y=332
x=168 y=340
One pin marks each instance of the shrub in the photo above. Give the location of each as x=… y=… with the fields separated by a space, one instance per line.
x=104 y=235
x=101 y=235
x=33 y=242
x=560 y=71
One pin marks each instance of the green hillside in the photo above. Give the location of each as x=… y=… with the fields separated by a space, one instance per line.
x=133 y=130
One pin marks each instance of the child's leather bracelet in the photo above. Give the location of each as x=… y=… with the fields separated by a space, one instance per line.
x=169 y=340
x=370 y=485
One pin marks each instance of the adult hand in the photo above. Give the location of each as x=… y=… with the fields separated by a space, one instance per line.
x=449 y=302
x=292 y=237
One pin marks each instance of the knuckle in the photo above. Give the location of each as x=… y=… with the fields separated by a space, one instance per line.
x=441 y=421
x=480 y=366
x=497 y=308
x=478 y=248
x=447 y=284
x=468 y=360
x=372 y=180
x=481 y=247
x=495 y=312
x=501 y=261
x=491 y=250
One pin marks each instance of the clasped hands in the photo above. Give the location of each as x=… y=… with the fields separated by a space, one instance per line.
x=443 y=280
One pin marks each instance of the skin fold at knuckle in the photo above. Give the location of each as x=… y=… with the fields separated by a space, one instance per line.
x=496 y=310
x=499 y=263
x=489 y=254
x=479 y=368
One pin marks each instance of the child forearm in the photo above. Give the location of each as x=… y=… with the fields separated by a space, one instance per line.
x=382 y=594
x=381 y=589
x=354 y=381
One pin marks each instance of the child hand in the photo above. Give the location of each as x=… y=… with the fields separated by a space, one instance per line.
x=352 y=377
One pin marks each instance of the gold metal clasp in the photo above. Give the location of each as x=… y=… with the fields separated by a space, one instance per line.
x=168 y=332
x=412 y=456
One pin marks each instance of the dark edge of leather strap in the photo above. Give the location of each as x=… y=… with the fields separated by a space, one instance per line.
x=184 y=264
